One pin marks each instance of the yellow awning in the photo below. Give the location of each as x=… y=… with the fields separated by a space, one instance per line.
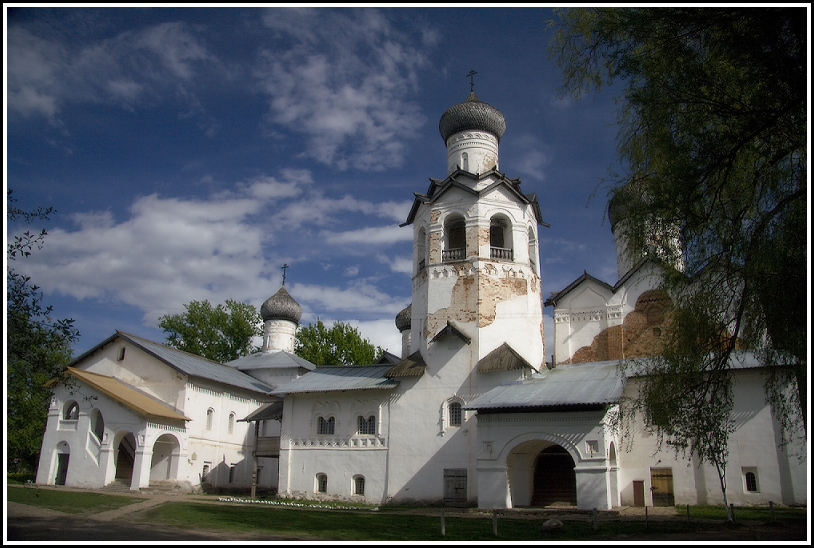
x=127 y=395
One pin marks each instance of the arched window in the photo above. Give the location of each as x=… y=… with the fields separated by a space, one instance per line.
x=455 y=414
x=454 y=239
x=210 y=418
x=359 y=485
x=366 y=426
x=71 y=412
x=231 y=424
x=97 y=424
x=465 y=161
x=325 y=426
x=321 y=483
x=750 y=482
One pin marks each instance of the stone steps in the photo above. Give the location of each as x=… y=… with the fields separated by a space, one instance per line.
x=118 y=486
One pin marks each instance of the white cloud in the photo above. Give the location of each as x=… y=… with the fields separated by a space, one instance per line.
x=402 y=265
x=46 y=75
x=318 y=210
x=532 y=155
x=340 y=78
x=373 y=235
x=359 y=297
x=170 y=251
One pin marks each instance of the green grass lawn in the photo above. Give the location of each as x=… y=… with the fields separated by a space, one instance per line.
x=389 y=523
x=72 y=502
x=368 y=525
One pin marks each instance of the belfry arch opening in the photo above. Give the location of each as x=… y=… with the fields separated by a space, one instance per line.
x=421 y=250
x=454 y=238
x=500 y=238
x=532 y=239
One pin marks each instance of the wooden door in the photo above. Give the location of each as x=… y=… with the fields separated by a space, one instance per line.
x=455 y=486
x=661 y=484
x=638 y=493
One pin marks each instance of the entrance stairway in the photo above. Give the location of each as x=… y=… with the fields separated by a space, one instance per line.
x=118 y=486
x=167 y=487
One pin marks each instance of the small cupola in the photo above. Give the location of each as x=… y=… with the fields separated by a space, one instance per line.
x=472 y=131
x=404 y=320
x=281 y=316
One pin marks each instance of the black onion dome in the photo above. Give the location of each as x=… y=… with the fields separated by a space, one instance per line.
x=404 y=318
x=631 y=198
x=281 y=306
x=472 y=114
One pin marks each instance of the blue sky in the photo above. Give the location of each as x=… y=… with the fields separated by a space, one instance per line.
x=191 y=152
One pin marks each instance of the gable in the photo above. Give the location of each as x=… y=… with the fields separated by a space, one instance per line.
x=149 y=363
x=127 y=395
x=587 y=297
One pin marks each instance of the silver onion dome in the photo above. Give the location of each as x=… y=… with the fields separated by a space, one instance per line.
x=472 y=114
x=281 y=306
x=404 y=318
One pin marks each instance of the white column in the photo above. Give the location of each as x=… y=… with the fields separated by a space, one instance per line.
x=592 y=488
x=141 y=465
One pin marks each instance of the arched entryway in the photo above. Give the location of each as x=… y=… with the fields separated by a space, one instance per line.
x=555 y=483
x=164 y=463
x=63 y=455
x=541 y=473
x=125 y=458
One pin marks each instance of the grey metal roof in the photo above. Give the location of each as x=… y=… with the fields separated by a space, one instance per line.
x=585 y=384
x=275 y=359
x=438 y=188
x=332 y=378
x=411 y=366
x=738 y=360
x=269 y=411
x=196 y=366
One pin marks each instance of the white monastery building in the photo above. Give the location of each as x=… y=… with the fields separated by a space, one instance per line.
x=469 y=414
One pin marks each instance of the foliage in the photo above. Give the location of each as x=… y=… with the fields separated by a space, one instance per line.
x=222 y=333
x=38 y=346
x=339 y=345
x=713 y=134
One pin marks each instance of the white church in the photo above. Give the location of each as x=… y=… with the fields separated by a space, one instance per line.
x=469 y=414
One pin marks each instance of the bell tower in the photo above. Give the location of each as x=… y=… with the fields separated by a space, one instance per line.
x=475 y=249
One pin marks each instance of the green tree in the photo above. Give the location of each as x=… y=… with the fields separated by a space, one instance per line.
x=713 y=136
x=339 y=345
x=38 y=346
x=220 y=333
